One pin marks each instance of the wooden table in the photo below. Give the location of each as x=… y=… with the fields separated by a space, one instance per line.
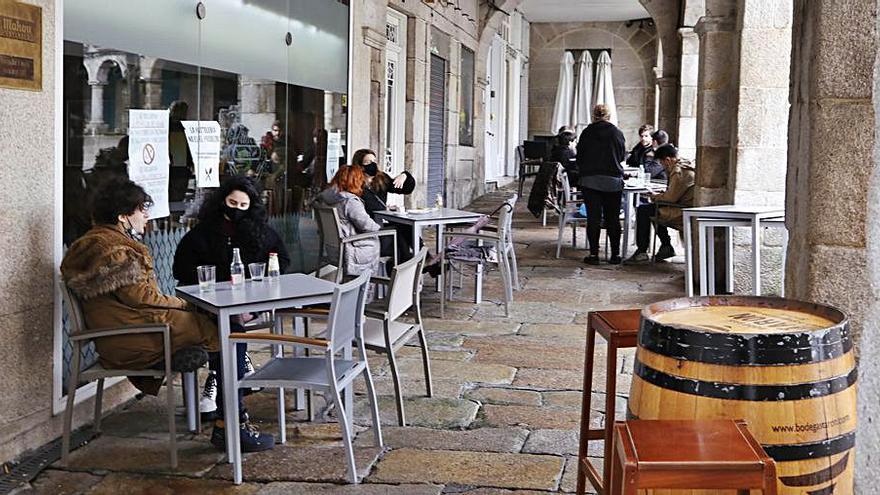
x=620 y=329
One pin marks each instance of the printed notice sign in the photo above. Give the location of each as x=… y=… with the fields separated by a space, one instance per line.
x=334 y=153
x=21 y=45
x=203 y=138
x=148 y=156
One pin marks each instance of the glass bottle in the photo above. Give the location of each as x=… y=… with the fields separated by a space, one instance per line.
x=274 y=268
x=236 y=269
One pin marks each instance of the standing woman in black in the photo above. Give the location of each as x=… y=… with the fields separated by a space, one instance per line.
x=375 y=197
x=600 y=151
x=231 y=217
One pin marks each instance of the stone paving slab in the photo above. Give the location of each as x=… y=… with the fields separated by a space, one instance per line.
x=504 y=396
x=471 y=328
x=469 y=372
x=413 y=352
x=290 y=488
x=549 y=379
x=509 y=440
x=561 y=332
x=434 y=412
x=57 y=482
x=116 y=484
x=530 y=417
x=283 y=463
x=555 y=442
x=141 y=455
x=525 y=312
x=529 y=352
x=484 y=469
x=413 y=386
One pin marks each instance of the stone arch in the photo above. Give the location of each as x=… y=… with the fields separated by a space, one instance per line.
x=99 y=67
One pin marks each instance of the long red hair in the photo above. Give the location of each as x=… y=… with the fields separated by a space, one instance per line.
x=350 y=179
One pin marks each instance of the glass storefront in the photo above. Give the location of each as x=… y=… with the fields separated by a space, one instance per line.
x=272 y=73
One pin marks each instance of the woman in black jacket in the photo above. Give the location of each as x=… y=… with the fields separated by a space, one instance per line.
x=231 y=217
x=375 y=197
x=565 y=154
x=600 y=151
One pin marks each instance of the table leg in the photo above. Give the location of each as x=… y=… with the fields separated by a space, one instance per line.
x=756 y=256
x=229 y=395
x=299 y=396
x=701 y=245
x=627 y=214
x=439 y=248
x=729 y=276
x=610 y=396
x=688 y=255
x=710 y=258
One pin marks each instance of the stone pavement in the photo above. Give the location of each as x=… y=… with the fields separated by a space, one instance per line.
x=503 y=419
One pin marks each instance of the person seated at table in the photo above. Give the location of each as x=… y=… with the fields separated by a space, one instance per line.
x=232 y=216
x=600 y=151
x=679 y=194
x=637 y=156
x=345 y=195
x=111 y=270
x=563 y=151
x=375 y=197
x=650 y=163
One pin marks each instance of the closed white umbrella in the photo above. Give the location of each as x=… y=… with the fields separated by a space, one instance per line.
x=604 y=86
x=583 y=93
x=562 y=107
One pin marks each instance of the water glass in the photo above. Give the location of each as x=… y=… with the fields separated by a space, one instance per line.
x=207 y=277
x=257 y=271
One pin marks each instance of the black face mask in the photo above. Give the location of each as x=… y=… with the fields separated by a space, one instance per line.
x=371 y=169
x=234 y=215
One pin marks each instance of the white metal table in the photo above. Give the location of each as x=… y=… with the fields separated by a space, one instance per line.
x=754 y=215
x=630 y=195
x=438 y=217
x=287 y=291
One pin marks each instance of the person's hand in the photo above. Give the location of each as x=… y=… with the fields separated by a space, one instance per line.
x=400 y=180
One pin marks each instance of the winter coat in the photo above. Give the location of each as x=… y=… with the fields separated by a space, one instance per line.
x=211 y=243
x=564 y=154
x=377 y=200
x=113 y=276
x=600 y=150
x=638 y=155
x=359 y=256
x=679 y=191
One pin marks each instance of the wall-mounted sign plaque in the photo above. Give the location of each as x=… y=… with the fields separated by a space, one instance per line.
x=21 y=45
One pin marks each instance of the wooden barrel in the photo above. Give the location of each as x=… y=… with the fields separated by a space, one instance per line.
x=786 y=367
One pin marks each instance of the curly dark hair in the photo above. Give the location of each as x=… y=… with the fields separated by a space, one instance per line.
x=117 y=196
x=250 y=232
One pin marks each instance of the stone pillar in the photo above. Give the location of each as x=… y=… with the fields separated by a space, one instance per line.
x=687 y=92
x=257 y=103
x=833 y=188
x=376 y=41
x=715 y=108
x=668 y=99
x=96 y=123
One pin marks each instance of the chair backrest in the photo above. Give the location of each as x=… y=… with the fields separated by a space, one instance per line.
x=566 y=187
x=505 y=218
x=74 y=309
x=330 y=233
x=405 y=285
x=346 y=317
x=520 y=154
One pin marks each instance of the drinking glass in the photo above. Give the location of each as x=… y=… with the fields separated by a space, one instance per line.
x=207 y=277
x=257 y=271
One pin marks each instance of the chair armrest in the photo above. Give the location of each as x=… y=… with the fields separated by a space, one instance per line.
x=668 y=203
x=380 y=280
x=370 y=235
x=268 y=338
x=478 y=237
x=95 y=333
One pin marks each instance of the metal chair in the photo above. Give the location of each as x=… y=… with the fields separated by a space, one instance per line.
x=570 y=214
x=526 y=168
x=499 y=237
x=81 y=335
x=333 y=243
x=385 y=332
x=327 y=373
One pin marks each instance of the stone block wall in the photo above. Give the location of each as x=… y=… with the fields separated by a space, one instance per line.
x=633 y=58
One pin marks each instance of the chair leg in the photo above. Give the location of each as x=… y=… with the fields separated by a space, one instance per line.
x=346 y=435
x=99 y=396
x=426 y=362
x=191 y=406
x=514 y=268
x=172 y=427
x=398 y=392
x=282 y=418
x=559 y=236
x=374 y=407
x=505 y=282
x=68 y=411
x=443 y=283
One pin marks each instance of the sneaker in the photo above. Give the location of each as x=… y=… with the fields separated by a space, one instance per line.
x=208 y=402
x=249 y=368
x=591 y=260
x=250 y=438
x=614 y=260
x=638 y=257
x=665 y=252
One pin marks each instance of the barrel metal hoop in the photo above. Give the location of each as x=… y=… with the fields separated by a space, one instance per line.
x=738 y=391
x=814 y=450
x=745 y=349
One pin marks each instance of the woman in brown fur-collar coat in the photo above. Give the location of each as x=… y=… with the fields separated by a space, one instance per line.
x=112 y=273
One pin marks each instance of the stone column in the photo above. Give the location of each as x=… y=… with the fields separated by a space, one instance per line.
x=257 y=103
x=668 y=99
x=96 y=122
x=687 y=93
x=715 y=108
x=833 y=188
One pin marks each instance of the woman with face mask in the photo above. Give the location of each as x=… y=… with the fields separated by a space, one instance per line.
x=375 y=196
x=231 y=217
x=111 y=271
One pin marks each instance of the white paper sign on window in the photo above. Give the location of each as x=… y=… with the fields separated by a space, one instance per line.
x=334 y=153
x=203 y=138
x=148 y=156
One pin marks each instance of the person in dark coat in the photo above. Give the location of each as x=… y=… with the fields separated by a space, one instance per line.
x=375 y=197
x=638 y=155
x=601 y=150
x=231 y=217
x=564 y=153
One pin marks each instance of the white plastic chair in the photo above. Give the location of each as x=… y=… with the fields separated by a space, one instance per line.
x=570 y=214
x=81 y=335
x=327 y=373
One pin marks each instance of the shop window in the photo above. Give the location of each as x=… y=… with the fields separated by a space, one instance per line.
x=466 y=113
